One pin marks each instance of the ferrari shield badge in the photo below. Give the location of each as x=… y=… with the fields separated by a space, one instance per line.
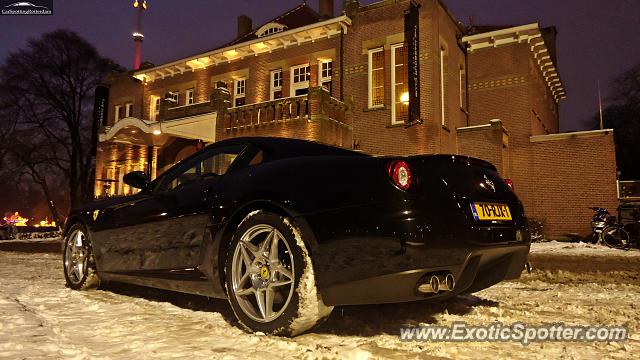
x=95 y=214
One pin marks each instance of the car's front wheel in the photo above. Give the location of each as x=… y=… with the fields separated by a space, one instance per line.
x=269 y=277
x=78 y=259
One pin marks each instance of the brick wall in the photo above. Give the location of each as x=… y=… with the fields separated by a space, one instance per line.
x=486 y=143
x=505 y=83
x=124 y=88
x=382 y=25
x=571 y=174
x=556 y=180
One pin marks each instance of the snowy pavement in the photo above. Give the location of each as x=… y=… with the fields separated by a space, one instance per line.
x=40 y=318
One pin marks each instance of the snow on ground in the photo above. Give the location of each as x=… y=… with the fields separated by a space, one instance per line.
x=40 y=318
x=580 y=249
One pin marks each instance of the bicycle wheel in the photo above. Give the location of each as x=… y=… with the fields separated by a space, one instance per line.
x=615 y=237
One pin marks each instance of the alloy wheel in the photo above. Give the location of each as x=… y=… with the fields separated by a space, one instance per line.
x=76 y=258
x=262 y=273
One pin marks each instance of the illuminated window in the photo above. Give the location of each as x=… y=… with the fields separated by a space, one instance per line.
x=239 y=91
x=325 y=69
x=443 y=113
x=155 y=107
x=276 y=84
x=190 y=97
x=175 y=95
x=117 y=114
x=376 y=78
x=400 y=84
x=300 y=80
x=128 y=110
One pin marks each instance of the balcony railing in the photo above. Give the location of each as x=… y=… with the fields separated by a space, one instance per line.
x=317 y=105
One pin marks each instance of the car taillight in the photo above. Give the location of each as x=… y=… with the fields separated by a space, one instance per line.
x=509 y=182
x=400 y=173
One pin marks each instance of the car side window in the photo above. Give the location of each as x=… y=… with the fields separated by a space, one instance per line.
x=211 y=163
x=218 y=164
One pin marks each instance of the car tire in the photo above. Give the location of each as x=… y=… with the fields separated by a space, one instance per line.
x=272 y=288
x=78 y=259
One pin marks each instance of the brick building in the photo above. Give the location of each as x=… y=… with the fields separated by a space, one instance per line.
x=488 y=92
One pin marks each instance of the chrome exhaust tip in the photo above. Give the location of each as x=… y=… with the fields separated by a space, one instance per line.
x=447 y=282
x=432 y=287
x=435 y=284
x=450 y=282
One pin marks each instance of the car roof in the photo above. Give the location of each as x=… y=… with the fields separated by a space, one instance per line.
x=286 y=147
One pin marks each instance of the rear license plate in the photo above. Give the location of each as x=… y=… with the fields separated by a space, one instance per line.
x=490 y=211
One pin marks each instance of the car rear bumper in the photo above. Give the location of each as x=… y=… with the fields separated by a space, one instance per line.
x=381 y=251
x=480 y=268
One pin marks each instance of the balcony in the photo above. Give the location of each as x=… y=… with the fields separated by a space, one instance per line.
x=177 y=112
x=316 y=116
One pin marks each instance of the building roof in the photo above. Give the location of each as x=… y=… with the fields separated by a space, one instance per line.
x=301 y=15
x=315 y=31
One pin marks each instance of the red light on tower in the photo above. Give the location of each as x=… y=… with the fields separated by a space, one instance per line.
x=141 y=5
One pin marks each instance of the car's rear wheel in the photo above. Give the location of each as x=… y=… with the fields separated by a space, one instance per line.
x=269 y=277
x=78 y=260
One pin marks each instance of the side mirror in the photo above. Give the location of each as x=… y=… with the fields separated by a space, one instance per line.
x=136 y=179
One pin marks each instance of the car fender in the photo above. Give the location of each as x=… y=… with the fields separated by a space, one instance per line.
x=218 y=236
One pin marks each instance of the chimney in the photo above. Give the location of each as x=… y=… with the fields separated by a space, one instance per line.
x=350 y=7
x=245 y=25
x=326 y=9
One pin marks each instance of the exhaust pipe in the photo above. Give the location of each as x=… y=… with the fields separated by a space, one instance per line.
x=447 y=282
x=432 y=287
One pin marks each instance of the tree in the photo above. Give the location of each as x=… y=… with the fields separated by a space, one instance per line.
x=47 y=90
x=623 y=115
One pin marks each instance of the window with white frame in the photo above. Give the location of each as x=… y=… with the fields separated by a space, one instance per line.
x=399 y=84
x=325 y=70
x=276 y=84
x=175 y=95
x=128 y=110
x=376 y=77
x=443 y=113
x=463 y=88
x=190 y=97
x=155 y=107
x=239 y=91
x=300 y=80
x=117 y=114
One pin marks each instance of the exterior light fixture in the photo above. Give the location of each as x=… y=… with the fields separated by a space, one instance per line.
x=157 y=132
x=404 y=98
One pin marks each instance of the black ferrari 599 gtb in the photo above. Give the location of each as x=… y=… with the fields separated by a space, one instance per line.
x=287 y=229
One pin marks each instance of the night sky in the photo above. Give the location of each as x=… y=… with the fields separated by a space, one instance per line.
x=596 y=39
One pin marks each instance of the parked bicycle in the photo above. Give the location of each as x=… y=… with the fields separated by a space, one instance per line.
x=607 y=229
